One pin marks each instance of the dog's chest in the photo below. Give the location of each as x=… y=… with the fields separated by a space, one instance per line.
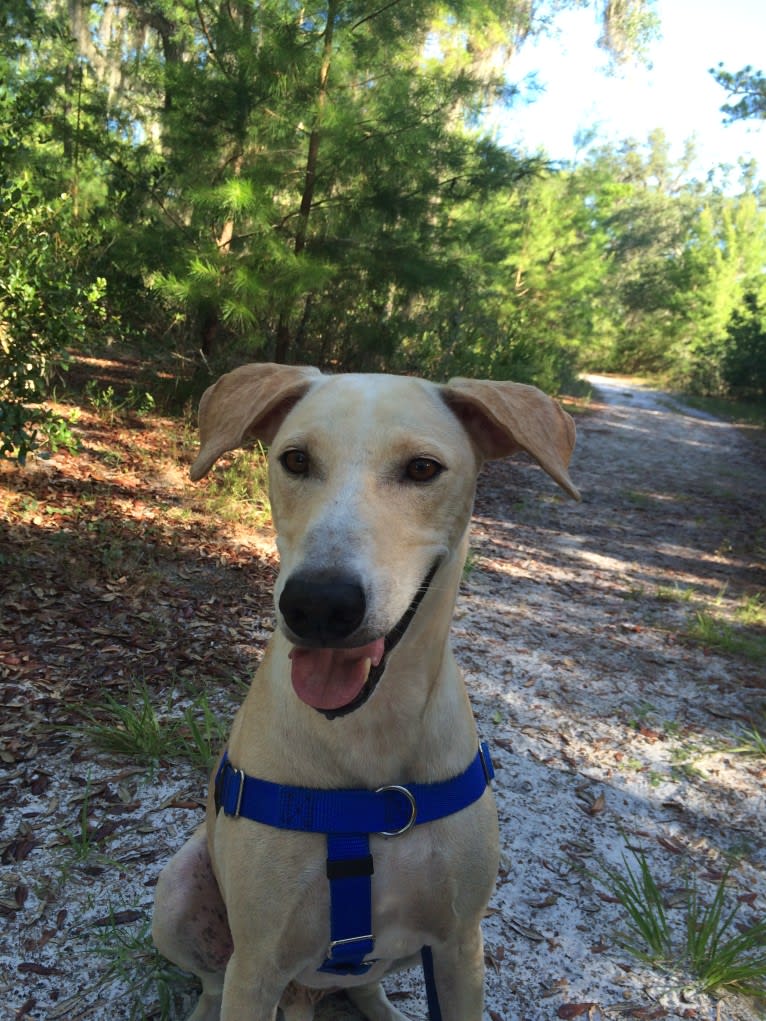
x=412 y=894
x=408 y=872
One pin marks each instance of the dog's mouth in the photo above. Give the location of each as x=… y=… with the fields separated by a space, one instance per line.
x=335 y=682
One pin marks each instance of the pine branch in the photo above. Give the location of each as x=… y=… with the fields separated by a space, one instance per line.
x=375 y=14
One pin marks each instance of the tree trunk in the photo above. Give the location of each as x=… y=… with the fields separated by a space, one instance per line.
x=284 y=338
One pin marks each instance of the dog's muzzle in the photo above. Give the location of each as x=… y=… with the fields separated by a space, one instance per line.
x=323 y=613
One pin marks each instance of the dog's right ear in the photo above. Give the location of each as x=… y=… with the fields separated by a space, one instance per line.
x=246 y=405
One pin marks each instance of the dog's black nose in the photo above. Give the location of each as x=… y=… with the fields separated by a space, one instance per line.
x=322 y=611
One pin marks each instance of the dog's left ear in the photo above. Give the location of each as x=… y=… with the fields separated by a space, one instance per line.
x=503 y=418
x=246 y=405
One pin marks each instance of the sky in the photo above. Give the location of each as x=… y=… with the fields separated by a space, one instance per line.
x=676 y=93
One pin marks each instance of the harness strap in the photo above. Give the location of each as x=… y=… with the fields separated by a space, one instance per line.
x=348 y=817
x=349 y=870
x=390 y=810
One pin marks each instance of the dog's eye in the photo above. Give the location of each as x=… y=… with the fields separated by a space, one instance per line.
x=423 y=469
x=296 y=462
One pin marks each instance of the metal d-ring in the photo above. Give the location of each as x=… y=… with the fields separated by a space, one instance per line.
x=413 y=810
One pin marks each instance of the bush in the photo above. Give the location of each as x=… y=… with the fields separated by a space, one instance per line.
x=744 y=366
x=49 y=303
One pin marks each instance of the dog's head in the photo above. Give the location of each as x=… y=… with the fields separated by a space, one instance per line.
x=372 y=482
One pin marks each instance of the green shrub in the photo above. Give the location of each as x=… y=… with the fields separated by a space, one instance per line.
x=49 y=304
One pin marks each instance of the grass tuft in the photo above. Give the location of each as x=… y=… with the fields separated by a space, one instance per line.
x=136 y=730
x=239 y=492
x=717 y=958
x=133 y=729
x=154 y=987
x=716 y=954
x=648 y=936
x=712 y=632
x=751 y=742
x=674 y=594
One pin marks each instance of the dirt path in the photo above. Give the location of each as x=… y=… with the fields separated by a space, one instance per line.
x=610 y=727
x=611 y=724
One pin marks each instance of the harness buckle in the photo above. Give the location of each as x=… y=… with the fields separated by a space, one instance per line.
x=369 y=938
x=412 y=805
x=352 y=955
x=240 y=775
x=486 y=762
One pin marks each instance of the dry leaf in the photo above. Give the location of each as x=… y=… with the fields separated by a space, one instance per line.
x=674 y=846
x=118 y=918
x=599 y=805
x=526 y=930
x=569 y=1010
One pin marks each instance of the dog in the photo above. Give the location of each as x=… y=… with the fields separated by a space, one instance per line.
x=372 y=481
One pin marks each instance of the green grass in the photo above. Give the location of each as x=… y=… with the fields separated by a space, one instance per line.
x=648 y=935
x=642 y=711
x=471 y=561
x=137 y=730
x=714 y=632
x=674 y=594
x=709 y=947
x=738 y=629
x=82 y=842
x=111 y=407
x=751 y=413
x=134 y=729
x=153 y=986
x=718 y=957
x=752 y=611
x=200 y=733
x=238 y=493
x=751 y=742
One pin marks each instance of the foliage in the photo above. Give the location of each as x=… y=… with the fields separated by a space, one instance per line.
x=228 y=182
x=324 y=225
x=748 y=88
x=751 y=742
x=629 y=26
x=130 y=956
x=649 y=934
x=137 y=730
x=47 y=305
x=298 y=183
x=105 y=401
x=681 y=258
x=239 y=493
x=744 y=363
x=716 y=957
x=711 y=631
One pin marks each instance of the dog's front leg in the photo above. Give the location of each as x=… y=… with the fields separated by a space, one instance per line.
x=459 y=976
x=251 y=989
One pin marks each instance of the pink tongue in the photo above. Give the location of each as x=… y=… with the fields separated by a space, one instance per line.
x=332 y=678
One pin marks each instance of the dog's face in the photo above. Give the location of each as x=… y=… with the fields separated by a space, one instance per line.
x=372 y=483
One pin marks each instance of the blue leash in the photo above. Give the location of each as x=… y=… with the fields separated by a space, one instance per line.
x=432 y=997
x=348 y=817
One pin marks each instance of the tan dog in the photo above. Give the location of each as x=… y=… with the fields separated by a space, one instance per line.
x=372 y=483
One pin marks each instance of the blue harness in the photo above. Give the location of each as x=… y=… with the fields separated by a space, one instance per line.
x=348 y=817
